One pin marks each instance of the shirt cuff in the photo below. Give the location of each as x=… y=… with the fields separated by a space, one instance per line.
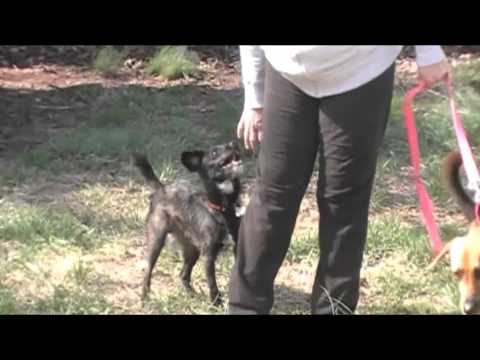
x=254 y=95
x=429 y=55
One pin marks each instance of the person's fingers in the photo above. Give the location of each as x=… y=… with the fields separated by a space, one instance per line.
x=249 y=129
x=257 y=127
x=239 y=131
x=240 y=127
x=246 y=131
x=252 y=137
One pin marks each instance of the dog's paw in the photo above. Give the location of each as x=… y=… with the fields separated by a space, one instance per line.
x=189 y=289
x=218 y=301
x=143 y=298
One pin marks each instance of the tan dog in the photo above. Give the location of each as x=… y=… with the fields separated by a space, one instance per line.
x=465 y=250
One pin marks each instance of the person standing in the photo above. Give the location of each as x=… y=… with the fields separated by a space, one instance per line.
x=300 y=102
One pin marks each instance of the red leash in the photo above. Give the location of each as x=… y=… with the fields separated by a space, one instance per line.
x=426 y=204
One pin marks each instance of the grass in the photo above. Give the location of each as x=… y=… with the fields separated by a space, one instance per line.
x=173 y=62
x=66 y=302
x=37 y=158
x=72 y=209
x=304 y=247
x=396 y=285
x=74 y=296
x=33 y=226
x=95 y=204
x=131 y=121
x=108 y=61
x=8 y=303
x=466 y=74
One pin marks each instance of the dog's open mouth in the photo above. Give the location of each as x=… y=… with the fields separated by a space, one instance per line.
x=233 y=160
x=232 y=164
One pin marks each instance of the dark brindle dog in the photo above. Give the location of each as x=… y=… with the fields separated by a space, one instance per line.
x=199 y=222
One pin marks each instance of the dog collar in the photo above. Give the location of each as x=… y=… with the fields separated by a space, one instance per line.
x=215 y=206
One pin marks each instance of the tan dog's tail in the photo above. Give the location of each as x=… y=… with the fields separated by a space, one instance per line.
x=451 y=178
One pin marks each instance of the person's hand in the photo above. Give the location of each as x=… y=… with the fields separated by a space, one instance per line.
x=250 y=128
x=434 y=73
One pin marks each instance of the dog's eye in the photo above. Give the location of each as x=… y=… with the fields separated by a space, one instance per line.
x=458 y=273
x=476 y=274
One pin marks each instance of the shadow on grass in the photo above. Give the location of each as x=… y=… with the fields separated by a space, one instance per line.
x=290 y=301
x=90 y=129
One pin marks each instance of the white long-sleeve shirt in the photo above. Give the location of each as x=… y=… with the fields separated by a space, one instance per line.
x=322 y=70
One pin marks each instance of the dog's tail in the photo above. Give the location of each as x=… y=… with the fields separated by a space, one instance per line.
x=451 y=176
x=142 y=163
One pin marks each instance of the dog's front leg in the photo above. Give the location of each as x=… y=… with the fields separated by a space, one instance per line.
x=215 y=296
x=190 y=257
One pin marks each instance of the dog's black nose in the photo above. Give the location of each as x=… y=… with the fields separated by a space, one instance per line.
x=470 y=306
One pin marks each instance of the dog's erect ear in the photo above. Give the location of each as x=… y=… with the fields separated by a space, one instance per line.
x=440 y=255
x=192 y=160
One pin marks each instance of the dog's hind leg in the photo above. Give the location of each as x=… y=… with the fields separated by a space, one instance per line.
x=211 y=257
x=157 y=230
x=190 y=257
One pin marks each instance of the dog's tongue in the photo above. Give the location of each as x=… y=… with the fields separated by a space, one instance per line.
x=227 y=161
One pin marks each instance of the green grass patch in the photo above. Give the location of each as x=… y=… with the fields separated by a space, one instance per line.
x=77 y=301
x=303 y=247
x=227 y=115
x=108 y=61
x=180 y=303
x=173 y=62
x=407 y=290
x=465 y=74
x=37 y=158
x=35 y=226
x=111 y=211
x=155 y=123
x=8 y=303
x=388 y=234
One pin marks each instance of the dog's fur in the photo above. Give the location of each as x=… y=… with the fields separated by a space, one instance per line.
x=199 y=221
x=464 y=250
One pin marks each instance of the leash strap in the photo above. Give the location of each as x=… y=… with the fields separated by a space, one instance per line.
x=426 y=204
x=471 y=170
